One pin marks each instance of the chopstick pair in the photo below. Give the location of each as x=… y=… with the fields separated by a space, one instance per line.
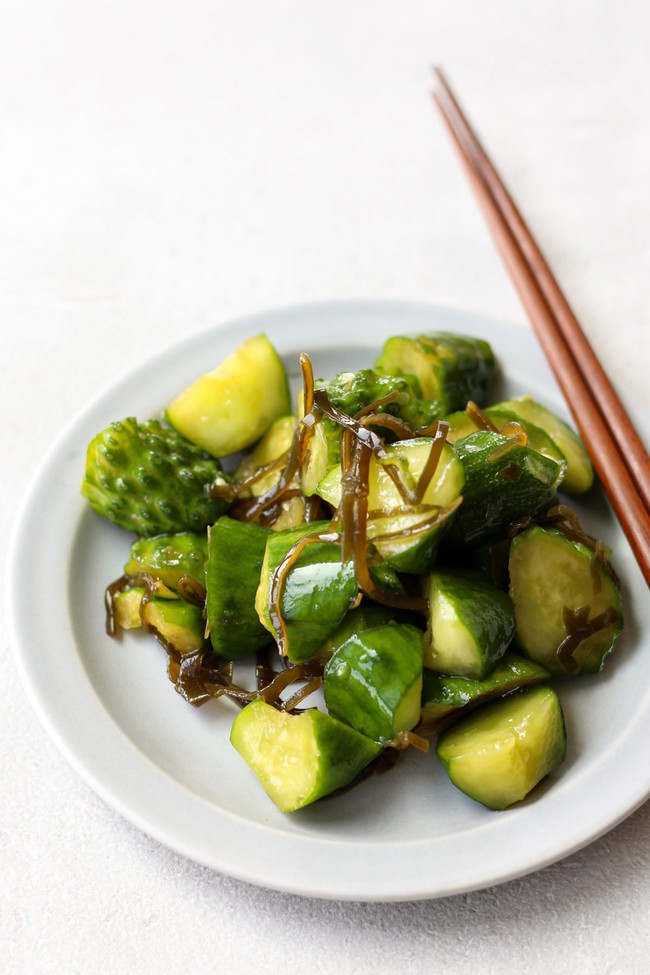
x=619 y=457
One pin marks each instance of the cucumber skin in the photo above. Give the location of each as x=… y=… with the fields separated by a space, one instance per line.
x=277 y=547
x=150 y=480
x=450 y=368
x=318 y=590
x=579 y=475
x=169 y=557
x=461 y=425
x=490 y=500
x=370 y=675
x=177 y=622
x=235 y=554
x=317 y=594
x=361 y=618
x=588 y=662
x=494 y=795
x=484 y=611
x=443 y=694
x=342 y=752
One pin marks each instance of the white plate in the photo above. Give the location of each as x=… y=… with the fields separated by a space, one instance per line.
x=170 y=769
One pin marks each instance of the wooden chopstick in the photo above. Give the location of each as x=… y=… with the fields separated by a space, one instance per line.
x=619 y=457
x=595 y=378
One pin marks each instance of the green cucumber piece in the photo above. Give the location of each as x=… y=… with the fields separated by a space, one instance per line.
x=386 y=509
x=559 y=588
x=502 y=483
x=362 y=618
x=352 y=392
x=276 y=441
x=169 y=557
x=450 y=369
x=471 y=624
x=178 y=622
x=235 y=555
x=501 y=751
x=318 y=590
x=461 y=425
x=299 y=758
x=126 y=608
x=373 y=681
x=150 y=480
x=323 y=454
x=442 y=694
x=580 y=473
x=538 y=438
x=274 y=444
x=229 y=408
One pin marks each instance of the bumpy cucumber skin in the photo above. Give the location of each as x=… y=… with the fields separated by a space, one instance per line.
x=368 y=679
x=491 y=498
x=484 y=615
x=150 y=480
x=352 y=392
x=169 y=557
x=498 y=753
x=232 y=575
x=563 y=572
x=450 y=368
x=313 y=747
x=442 y=694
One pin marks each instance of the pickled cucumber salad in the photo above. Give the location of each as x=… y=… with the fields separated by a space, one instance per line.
x=391 y=563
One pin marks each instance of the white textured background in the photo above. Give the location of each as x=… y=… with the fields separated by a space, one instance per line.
x=165 y=166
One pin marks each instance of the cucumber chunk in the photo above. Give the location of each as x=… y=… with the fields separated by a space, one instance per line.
x=275 y=442
x=373 y=681
x=298 y=758
x=235 y=555
x=318 y=590
x=387 y=512
x=173 y=620
x=323 y=455
x=461 y=425
x=471 y=624
x=499 y=752
x=179 y=623
x=579 y=475
x=442 y=694
x=567 y=605
x=502 y=483
x=228 y=409
x=126 y=608
x=361 y=618
x=150 y=480
x=450 y=369
x=169 y=557
x=354 y=391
